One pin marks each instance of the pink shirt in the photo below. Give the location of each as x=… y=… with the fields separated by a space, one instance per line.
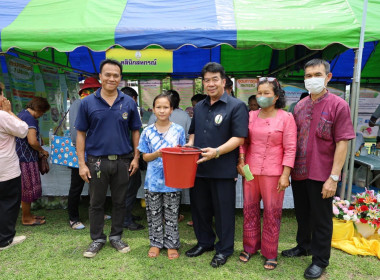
x=9 y=128
x=271 y=143
x=320 y=124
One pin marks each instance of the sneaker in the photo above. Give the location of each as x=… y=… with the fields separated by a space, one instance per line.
x=120 y=245
x=93 y=249
x=76 y=225
x=16 y=240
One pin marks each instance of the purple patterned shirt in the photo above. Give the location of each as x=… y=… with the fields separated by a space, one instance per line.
x=320 y=125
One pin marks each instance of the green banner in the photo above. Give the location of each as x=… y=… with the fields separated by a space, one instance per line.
x=22 y=84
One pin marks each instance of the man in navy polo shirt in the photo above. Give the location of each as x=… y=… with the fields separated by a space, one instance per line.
x=105 y=121
x=219 y=126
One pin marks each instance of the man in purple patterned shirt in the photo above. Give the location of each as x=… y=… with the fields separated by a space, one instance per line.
x=324 y=128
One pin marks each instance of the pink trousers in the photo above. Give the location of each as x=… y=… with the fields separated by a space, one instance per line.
x=265 y=188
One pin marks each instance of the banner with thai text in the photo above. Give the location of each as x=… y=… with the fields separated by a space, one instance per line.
x=185 y=88
x=245 y=88
x=55 y=98
x=144 y=61
x=149 y=89
x=369 y=98
x=22 y=84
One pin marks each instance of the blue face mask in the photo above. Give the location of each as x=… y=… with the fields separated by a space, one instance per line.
x=265 y=102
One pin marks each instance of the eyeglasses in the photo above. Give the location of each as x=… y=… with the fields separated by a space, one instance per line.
x=268 y=79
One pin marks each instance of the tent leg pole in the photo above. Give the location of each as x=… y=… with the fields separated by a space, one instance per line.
x=354 y=100
x=355 y=97
x=344 y=175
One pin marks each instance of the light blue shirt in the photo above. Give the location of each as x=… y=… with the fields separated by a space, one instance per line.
x=178 y=116
x=150 y=141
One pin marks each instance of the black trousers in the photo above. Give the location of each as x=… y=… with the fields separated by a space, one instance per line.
x=10 y=199
x=314 y=218
x=133 y=187
x=113 y=173
x=214 y=197
x=76 y=188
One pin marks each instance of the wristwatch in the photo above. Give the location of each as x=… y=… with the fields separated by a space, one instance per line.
x=217 y=153
x=335 y=178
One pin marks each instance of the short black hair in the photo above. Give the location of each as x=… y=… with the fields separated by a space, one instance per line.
x=111 y=61
x=229 y=82
x=163 y=95
x=213 y=67
x=278 y=91
x=38 y=104
x=130 y=92
x=175 y=97
x=304 y=94
x=316 y=62
x=198 y=97
x=252 y=97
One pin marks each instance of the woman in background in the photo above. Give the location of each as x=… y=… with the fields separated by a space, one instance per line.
x=29 y=150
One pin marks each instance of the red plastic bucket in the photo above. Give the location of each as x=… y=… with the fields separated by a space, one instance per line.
x=180 y=166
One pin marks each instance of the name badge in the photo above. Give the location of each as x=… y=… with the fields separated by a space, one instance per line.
x=218 y=119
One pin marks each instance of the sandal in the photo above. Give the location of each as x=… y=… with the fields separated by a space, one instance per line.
x=173 y=254
x=154 y=252
x=39 y=217
x=270 y=264
x=76 y=225
x=245 y=256
x=36 y=223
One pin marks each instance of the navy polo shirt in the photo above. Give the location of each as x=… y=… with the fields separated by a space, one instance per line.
x=108 y=128
x=212 y=126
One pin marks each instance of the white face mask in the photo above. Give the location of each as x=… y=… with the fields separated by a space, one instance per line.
x=315 y=85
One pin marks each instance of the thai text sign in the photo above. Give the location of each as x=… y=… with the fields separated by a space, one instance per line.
x=145 y=61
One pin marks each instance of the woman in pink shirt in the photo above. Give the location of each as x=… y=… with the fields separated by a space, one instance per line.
x=269 y=150
x=10 y=179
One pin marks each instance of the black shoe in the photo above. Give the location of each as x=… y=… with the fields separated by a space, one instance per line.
x=218 y=260
x=136 y=218
x=313 y=272
x=134 y=226
x=295 y=252
x=93 y=249
x=197 y=251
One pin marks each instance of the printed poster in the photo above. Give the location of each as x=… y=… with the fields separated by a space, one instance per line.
x=245 y=88
x=72 y=86
x=55 y=98
x=369 y=98
x=293 y=92
x=185 y=88
x=364 y=128
x=22 y=84
x=149 y=89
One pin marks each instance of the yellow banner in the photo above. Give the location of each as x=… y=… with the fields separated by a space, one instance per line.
x=145 y=61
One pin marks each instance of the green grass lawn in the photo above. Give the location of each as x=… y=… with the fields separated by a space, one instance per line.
x=54 y=251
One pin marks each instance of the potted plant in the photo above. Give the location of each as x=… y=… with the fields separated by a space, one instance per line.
x=366 y=206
